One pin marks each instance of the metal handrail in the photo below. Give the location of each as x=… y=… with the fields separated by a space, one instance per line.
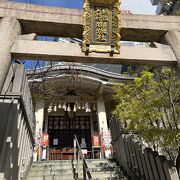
x=76 y=161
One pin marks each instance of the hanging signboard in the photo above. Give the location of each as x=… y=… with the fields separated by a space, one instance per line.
x=96 y=141
x=45 y=140
x=101 y=26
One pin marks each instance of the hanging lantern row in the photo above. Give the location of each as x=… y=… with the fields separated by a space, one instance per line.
x=72 y=107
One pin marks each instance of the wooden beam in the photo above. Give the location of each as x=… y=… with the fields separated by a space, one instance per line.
x=71 y=52
x=64 y=22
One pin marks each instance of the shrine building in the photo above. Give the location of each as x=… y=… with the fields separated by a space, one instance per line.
x=73 y=99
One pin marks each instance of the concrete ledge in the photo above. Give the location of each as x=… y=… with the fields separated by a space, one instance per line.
x=29 y=37
x=1 y=176
x=64 y=22
x=71 y=52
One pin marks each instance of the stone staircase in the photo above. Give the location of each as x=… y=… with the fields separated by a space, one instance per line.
x=102 y=169
x=51 y=170
x=62 y=170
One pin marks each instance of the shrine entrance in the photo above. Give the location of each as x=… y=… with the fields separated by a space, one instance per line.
x=20 y=25
x=61 y=130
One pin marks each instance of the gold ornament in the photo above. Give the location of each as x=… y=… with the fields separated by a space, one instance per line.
x=101 y=26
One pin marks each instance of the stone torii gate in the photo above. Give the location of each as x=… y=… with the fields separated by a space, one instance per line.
x=19 y=21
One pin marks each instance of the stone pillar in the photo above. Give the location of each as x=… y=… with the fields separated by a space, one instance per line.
x=39 y=116
x=9 y=29
x=159 y=161
x=172 y=38
x=170 y=171
x=102 y=119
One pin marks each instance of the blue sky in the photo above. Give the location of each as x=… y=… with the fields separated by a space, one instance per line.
x=136 y=6
x=60 y=3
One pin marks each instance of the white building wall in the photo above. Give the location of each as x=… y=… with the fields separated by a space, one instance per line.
x=102 y=119
x=39 y=113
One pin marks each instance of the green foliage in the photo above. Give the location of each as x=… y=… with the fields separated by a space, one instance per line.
x=150 y=106
x=177 y=12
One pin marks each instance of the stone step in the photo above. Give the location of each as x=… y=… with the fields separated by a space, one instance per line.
x=91 y=168
x=1 y=176
x=101 y=172
x=50 y=177
x=96 y=160
x=64 y=165
x=49 y=164
x=99 y=175
x=63 y=178
x=51 y=168
x=103 y=166
x=108 y=178
x=99 y=164
x=98 y=178
x=90 y=161
x=101 y=178
x=49 y=172
x=98 y=171
x=56 y=167
x=57 y=162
